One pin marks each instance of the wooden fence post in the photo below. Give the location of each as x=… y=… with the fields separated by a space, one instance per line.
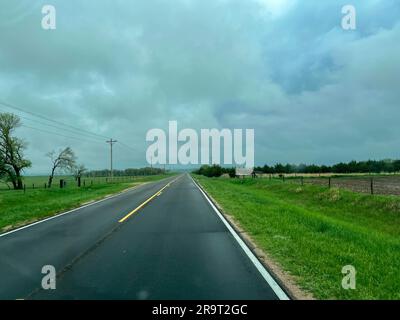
x=329 y=182
x=372 y=185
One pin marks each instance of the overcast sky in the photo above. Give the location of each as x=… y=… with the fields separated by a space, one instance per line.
x=312 y=91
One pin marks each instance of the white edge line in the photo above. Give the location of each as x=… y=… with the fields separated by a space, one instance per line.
x=266 y=275
x=72 y=210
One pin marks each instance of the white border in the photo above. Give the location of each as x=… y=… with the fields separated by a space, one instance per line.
x=270 y=280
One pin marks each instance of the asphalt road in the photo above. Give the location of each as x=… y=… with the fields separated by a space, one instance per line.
x=175 y=246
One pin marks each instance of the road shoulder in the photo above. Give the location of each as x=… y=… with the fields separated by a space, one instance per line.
x=284 y=279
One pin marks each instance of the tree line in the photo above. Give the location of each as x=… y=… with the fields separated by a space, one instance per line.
x=370 y=166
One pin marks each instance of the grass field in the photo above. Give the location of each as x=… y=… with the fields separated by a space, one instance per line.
x=377 y=184
x=18 y=208
x=313 y=231
x=384 y=184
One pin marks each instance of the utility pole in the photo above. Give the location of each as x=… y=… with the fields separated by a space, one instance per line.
x=111 y=142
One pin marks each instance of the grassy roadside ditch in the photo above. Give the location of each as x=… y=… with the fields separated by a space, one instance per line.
x=312 y=232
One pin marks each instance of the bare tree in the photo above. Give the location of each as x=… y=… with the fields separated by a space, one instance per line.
x=79 y=170
x=12 y=161
x=64 y=161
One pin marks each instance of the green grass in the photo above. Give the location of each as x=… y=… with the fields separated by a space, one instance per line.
x=18 y=208
x=312 y=232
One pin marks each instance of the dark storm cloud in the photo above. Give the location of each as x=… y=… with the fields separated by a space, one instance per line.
x=312 y=91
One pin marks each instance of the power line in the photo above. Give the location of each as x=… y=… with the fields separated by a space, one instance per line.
x=48 y=119
x=88 y=134
x=126 y=146
x=74 y=130
x=84 y=135
x=57 y=134
x=60 y=128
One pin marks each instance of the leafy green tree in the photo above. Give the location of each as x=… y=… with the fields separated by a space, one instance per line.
x=211 y=171
x=12 y=161
x=231 y=172
x=280 y=168
x=268 y=169
x=396 y=166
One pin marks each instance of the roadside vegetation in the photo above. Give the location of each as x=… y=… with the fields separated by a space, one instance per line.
x=215 y=171
x=18 y=208
x=313 y=232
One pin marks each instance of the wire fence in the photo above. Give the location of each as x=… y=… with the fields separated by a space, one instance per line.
x=36 y=183
x=383 y=185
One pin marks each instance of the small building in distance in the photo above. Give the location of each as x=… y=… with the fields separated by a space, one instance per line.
x=245 y=172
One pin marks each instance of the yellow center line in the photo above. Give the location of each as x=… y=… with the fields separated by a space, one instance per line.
x=146 y=202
